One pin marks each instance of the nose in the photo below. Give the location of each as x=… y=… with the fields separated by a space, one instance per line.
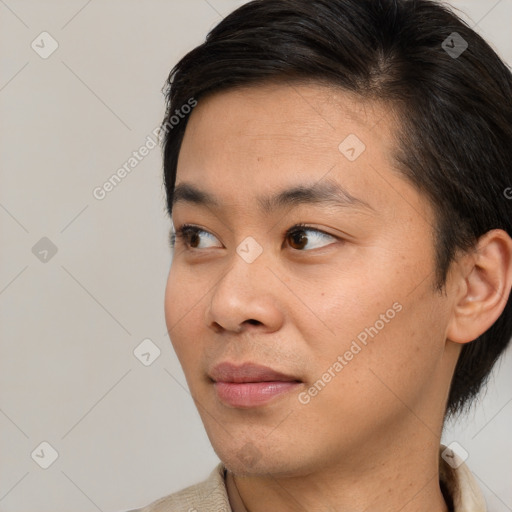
x=245 y=297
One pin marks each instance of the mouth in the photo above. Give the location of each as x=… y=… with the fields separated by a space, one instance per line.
x=249 y=384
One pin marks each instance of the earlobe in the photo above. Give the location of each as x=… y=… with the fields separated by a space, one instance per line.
x=484 y=287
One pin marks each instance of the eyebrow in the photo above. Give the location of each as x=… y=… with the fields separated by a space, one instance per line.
x=327 y=192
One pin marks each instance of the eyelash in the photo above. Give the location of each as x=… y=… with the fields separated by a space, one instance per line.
x=183 y=233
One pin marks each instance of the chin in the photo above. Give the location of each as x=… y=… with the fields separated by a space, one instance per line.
x=253 y=458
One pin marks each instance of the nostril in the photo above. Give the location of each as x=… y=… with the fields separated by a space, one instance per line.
x=253 y=322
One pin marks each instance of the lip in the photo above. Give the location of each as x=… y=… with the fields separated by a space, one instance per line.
x=247 y=372
x=249 y=384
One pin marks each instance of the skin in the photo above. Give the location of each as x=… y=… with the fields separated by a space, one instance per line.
x=369 y=439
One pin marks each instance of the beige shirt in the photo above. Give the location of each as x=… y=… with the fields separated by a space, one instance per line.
x=211 y=495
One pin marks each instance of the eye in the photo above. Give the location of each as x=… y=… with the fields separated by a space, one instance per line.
x=298 y=240
x=190 y=235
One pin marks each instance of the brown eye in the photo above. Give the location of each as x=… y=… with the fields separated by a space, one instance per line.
x=192 y=237
x=298 y=238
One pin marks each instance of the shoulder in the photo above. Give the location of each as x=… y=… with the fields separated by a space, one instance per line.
x=210 y=494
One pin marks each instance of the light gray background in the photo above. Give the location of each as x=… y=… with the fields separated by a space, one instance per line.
x=125 y=433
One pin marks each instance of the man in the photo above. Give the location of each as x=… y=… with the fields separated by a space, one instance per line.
x=335 y=172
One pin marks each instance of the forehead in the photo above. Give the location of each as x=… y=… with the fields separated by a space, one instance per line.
x=277 y=115
x=254 y=140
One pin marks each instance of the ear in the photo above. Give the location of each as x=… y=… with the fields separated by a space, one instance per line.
x=481 y=286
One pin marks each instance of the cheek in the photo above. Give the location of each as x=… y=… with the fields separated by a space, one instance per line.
x=381 y=323
x=368 y=380
x=183 y=314
x=173 y=292
x=352 y=305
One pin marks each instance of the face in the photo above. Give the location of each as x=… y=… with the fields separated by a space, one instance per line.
x=306 y=253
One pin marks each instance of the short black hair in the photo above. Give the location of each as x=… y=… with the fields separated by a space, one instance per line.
x=454 y=105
